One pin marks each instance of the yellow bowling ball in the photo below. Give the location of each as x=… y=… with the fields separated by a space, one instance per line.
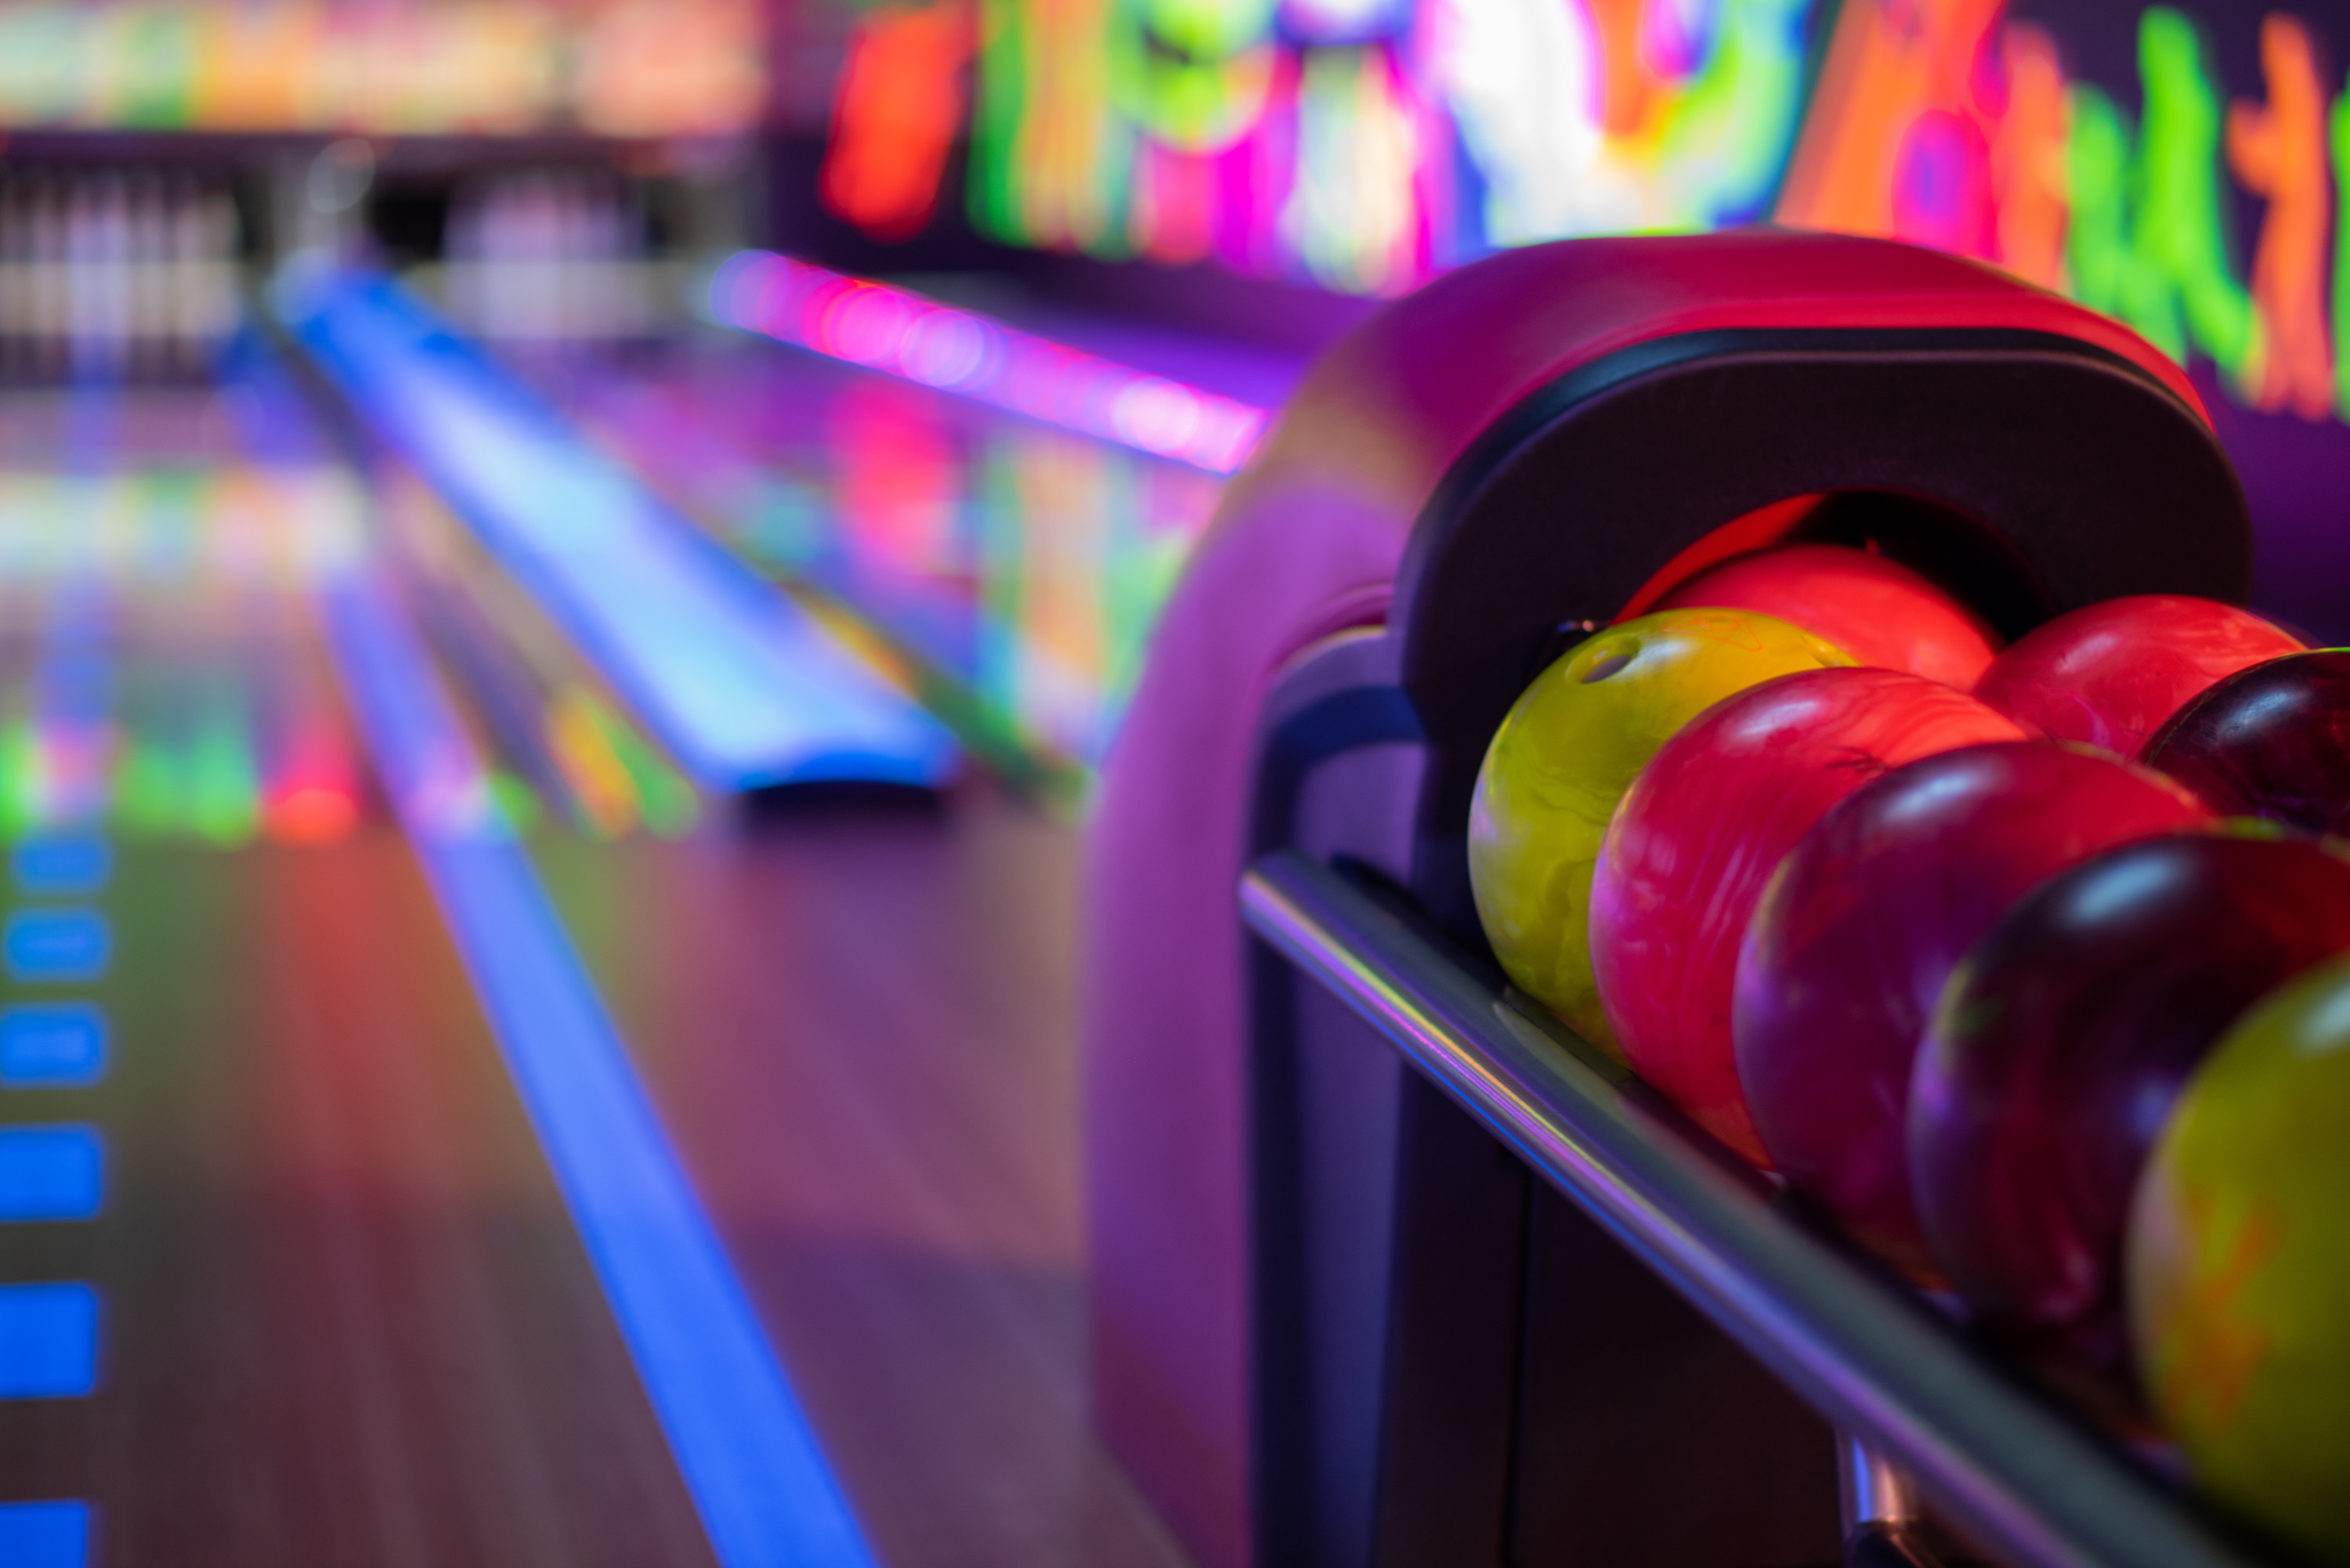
x=1566 y=755
x=2239 y=1268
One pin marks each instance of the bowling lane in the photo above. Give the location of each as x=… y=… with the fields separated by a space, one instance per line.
x=334 y=1303
x=1006 y=569
x=859 y=1027
x=284 y=1276
x=341 y=1315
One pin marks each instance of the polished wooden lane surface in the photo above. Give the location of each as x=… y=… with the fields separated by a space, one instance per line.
x=345 y=1318
x=859 y=1027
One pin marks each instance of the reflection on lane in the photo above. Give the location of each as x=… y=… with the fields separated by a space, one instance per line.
x=1017 y=566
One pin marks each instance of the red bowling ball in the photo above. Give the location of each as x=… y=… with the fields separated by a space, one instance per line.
x=2111 y=673
x=2062 y=1041
x=1701 y=832
x=2272 y=740
x=1857 y=934
x=1880 y=611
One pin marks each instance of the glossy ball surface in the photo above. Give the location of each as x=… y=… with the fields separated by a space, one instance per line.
x=1880 y=611
x=1860 y=931
x=2109 y=674
x=2271 y=740
x=2239 y=1268
x=2060 y=1044
x=1699 y=835
x=1563 y=758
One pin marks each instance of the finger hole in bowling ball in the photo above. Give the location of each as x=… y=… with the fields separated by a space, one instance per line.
x=1611 y=663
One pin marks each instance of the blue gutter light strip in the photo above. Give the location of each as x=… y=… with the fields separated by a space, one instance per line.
x=44 y=1535
x=51 y=1172
x=57 y=945
x=76 y=863
x=51 y=1045
x=766 y=1495
x=48 y=1341
x=744 y=686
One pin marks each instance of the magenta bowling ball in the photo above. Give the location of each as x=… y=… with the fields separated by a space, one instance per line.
x=2272 y=740
x=1858 y=932
x=2109 y=674
x=2054 y=1056
x=1699 y=833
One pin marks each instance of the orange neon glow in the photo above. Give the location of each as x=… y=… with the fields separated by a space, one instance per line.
x=895 y=114
x=311 y=814
x=2027 y=159
x=1893 y=73
x=1626 y=82
x=2278 y=150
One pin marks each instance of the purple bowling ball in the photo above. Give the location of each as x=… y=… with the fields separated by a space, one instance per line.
x=2060 y=1044
x=1861 y=927
x=2272 y=740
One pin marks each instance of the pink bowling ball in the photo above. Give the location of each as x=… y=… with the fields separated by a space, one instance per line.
x=2109 y=674
x=1699 y=835
x=1880 y=611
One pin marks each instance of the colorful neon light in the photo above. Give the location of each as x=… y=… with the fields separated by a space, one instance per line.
x=2053 y=180
x=742 y=687
x=618 y=67
x=918 y=339
x=895 y=110
x=1363 y=144
x=1324 y=149
x=185 y=744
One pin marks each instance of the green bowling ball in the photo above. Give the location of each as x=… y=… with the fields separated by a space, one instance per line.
x=2239 y=1268
x=1566 y=755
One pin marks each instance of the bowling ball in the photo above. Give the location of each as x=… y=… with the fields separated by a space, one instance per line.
x=1563 y=757
x=2272 y=740
x=1880 y=611
x=1858 y=932
x=2062 y=1040
x=2110 y=674
x=2239 y=1268
x=1701 y=830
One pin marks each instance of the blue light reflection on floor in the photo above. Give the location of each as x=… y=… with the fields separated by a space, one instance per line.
x=51 y=1045
x=68 y=863
x=48 y=1341
x=44 y=1535
x=765 y=1492
x=57 y=945
x=743 y=685
x=51 y=1171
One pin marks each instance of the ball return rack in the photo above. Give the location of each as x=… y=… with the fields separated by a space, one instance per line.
x=1912 y=1400
x=1388 y=1269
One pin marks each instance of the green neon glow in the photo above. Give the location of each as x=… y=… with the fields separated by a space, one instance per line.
x=1729 y=137
x=147 y=788
x=665 y=801
x=2096 y=168
x=2180 y=233
x=222 y=804
x=2148 y=237
x=2342 y=250
x=999 y=102
x=1193 y=73
x=20 y=778
x=517 y=802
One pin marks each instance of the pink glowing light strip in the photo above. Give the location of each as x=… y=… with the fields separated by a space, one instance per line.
x=904 y=334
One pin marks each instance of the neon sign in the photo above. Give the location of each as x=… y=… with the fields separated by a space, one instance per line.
x=1364 y=144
